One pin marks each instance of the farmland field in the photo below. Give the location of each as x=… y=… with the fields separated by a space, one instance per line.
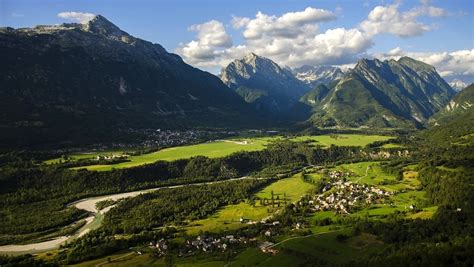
x=211 y=150
x=228 y=217
x=308 y=250
x=219 y=148
x=343 y=139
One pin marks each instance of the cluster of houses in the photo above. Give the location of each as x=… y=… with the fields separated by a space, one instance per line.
x=161 y=246
x=268 y=247
x=210 y=243
x=162 y=138
x=344 y=196
x=112 y=157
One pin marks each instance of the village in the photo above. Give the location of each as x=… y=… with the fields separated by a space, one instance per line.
x=344 y=196
x=338 y=195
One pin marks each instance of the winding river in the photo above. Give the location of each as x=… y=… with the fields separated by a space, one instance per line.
x=93 y=221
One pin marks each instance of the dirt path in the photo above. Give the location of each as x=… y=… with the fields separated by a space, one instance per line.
x=299 y=237
x=366 y=173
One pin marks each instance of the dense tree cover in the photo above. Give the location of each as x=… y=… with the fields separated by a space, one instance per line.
x=446 y=176
x=23 y=261
x=99 y=243
x=175 y=205
x=447 y=238
x=25 y=186
x=455 y=253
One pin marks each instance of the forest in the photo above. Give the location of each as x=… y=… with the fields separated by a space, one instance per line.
x=33 y=199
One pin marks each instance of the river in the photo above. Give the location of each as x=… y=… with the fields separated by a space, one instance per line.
x=93 y=221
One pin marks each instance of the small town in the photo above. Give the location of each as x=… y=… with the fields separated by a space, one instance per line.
x=344 y=196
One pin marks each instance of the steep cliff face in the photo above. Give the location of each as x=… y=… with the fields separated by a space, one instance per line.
x=462 y=103
x=264 y=84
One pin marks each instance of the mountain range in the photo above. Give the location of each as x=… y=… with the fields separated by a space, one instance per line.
x=315 y=75
x=457 y=84
x=83 y=82
x=402 y=93
x=262 y=83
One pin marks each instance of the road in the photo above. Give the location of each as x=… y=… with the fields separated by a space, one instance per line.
x=299 y=237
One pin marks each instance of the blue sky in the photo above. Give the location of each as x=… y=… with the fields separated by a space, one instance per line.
x=440 y=29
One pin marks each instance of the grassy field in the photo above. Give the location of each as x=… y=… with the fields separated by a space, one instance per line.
x=88 y=155
x=343 y=139
x=308 y=250
x=130 y=258
x=211 y=150
x=228 y=217
x=371 y=173
x=218 y=149
x=323 y=244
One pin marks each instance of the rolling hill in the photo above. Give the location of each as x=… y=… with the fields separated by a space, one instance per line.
x=454 y=124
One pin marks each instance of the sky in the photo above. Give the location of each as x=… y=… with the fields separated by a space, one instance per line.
x=209 y=34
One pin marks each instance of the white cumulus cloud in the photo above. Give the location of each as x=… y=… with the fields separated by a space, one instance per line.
x=294 y=38
x=211 y=39
x=389 y=19
x=288 y=25
x=76 y=16
x=291 y=39
x=458 y=63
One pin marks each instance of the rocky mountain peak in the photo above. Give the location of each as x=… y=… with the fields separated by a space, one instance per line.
x=314 y=75
x=416 y=64
x=101 y=25
x=263 y=83
x=457 y=84
x=251 y=57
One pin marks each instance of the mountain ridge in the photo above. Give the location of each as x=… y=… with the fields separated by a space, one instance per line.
x=75 y=81
x=390 y=93
x=263 y=83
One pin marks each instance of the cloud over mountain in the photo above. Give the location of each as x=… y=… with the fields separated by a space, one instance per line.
x=76 y=16
x=389 y=19
x=296 y=39
x=449 y=64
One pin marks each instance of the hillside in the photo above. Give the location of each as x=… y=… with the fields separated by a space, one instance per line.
x=403 y=93
x=271 y=89
x=461 y=103
x=454 y=124
x=82 y=82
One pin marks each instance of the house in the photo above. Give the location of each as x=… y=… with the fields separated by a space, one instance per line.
x=267 y=247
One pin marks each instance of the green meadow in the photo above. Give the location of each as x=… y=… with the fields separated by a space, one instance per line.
x=211 y=150
x=217 y=149
x=228 y=218
x=307 y=251
x=322 y=243
x=343 y=139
